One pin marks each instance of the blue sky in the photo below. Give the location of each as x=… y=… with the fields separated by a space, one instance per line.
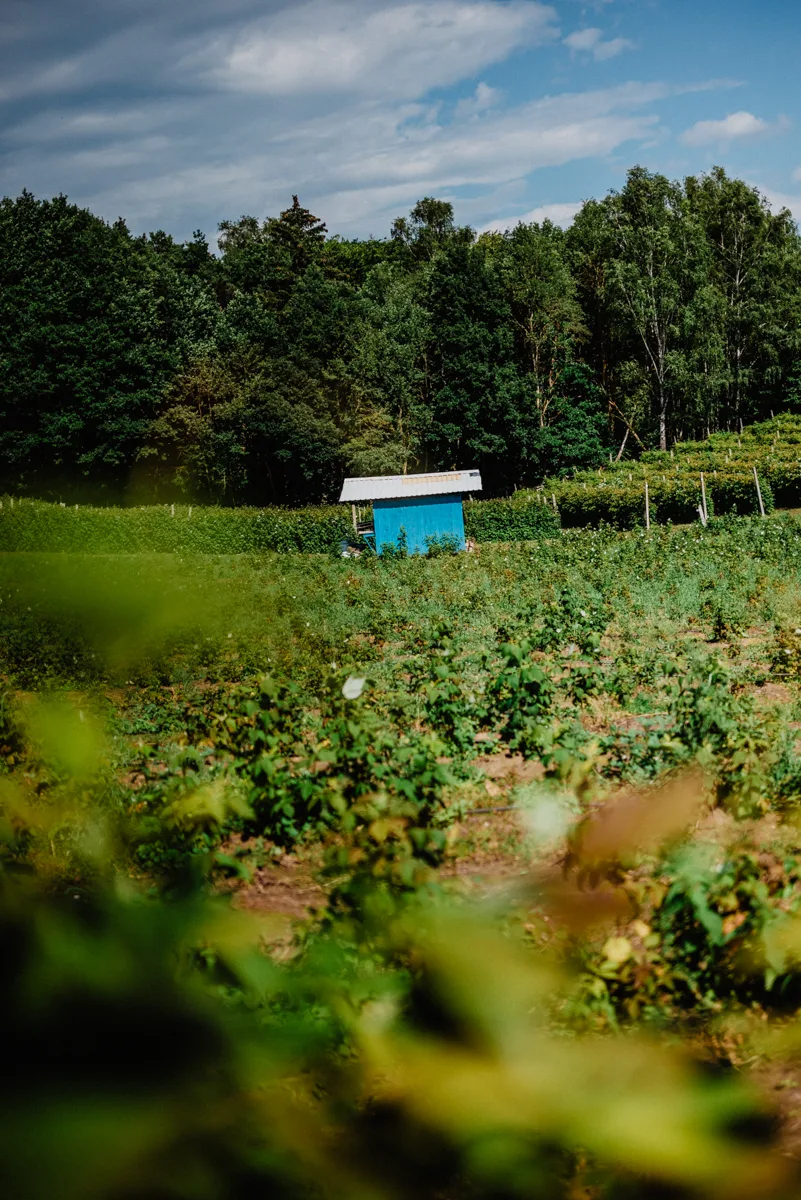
x=177 y=114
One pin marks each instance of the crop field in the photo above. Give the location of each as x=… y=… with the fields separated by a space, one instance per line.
x=401 y=861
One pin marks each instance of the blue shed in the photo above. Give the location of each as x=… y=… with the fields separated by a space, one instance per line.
x=421 y=507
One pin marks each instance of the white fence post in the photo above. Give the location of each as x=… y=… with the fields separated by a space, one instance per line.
x=759 y=493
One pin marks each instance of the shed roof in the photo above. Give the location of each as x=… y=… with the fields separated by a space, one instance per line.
x=397 y=487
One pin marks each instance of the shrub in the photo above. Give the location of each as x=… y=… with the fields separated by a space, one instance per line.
x=31 y=525
x=519 y=519
x=671 y=498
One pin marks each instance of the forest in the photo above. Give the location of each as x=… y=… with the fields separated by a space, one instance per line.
x=140 y=369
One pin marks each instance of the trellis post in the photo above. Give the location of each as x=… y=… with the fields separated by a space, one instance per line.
x=647 y=508
x=759 y=493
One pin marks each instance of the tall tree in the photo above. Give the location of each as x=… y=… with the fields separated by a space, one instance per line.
x=756 y=268
x=391 y=362
x=428 y=229
x=478 y=400
x=658 y=260
x=267 y=258
x=545 y=313
x=300 y=233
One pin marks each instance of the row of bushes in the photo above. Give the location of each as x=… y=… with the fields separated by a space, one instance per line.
x=30 y=525
x=615 y=492
x=614 y=495
x=677 y=500
x=520 y=519
x=33 y=525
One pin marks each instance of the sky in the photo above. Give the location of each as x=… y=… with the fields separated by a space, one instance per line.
x=177 y=114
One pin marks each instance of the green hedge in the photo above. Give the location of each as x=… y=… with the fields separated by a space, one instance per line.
x=32 y=525
x=676 y=500
x=597 y=504
x=615 y=493
x=513 y=520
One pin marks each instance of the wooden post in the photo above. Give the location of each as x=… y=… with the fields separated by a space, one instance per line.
x=353 y=514
x=703 y=498
x=759 y=493
x=647 y=508
x=553 y=497
x=702 y=515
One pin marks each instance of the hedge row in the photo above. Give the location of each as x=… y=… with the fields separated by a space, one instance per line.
x=29 y=525
x=677 y=500
x=615 y=493
x=33 y=525
x=514 y=520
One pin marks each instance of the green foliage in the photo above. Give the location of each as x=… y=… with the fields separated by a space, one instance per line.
x=439 y=544
x=410 y=1038
x=160 y=1051
x=27 y=525
x=94 y=324
x=708 y=934
x=521 y=518
x=615 y=494
x=521 y=697
x=170 y=529
x=142 y=367
x=301 y=780
x=786 y=654
x=452 y=707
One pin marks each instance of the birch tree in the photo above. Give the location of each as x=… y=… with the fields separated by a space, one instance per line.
x=658 y=253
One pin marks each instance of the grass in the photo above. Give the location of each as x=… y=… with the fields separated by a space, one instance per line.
x=591 y=674
x=174 y=618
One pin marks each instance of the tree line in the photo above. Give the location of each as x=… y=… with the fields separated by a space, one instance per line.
x=154 y=369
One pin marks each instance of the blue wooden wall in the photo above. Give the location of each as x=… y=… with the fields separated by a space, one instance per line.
x=422 y=517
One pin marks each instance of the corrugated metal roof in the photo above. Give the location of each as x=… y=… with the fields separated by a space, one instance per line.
x=395 y=487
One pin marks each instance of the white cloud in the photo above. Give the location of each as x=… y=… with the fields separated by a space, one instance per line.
x=397 y=49
x=612 y=48
x=358 y=166
x=591 y=41
x=370 y=165
x=583 y=39
x=558 y=214
x=734 y=127
x=483 y=98
x=336 y=102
